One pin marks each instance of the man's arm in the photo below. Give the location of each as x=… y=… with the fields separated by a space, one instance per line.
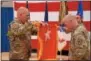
x=14 y=30
x=80 y=46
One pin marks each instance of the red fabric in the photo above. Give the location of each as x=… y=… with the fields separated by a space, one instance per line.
x=67 y=46
x=49 y=46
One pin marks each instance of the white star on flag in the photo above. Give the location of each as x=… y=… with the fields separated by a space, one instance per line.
x=47 y=35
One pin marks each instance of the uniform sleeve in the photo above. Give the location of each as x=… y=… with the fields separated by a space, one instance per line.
x=14 y=30
x=80 y=46
x=29 y=29
x=9 y=33
x=28 y=35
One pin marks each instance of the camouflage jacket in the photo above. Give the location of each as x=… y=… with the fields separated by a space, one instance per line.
x=22 y=31
x=20 y=35
x=79 y=46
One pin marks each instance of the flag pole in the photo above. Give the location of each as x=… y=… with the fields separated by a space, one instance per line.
x=46 y=13
x=27 y=4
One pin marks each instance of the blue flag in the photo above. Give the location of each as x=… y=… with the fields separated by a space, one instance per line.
x=46 y=13
x=80 y=9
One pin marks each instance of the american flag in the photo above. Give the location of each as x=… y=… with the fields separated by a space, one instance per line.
x=37 y=10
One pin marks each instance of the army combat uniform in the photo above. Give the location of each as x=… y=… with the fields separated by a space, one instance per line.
x=20 y=35
x=80 y=46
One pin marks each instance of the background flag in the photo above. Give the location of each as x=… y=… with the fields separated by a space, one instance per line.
x=37 y=9
x=46 y=13
x=63 y=10
x=80 y=9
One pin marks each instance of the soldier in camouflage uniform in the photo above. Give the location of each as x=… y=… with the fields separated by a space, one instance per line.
x=19 y=34
x=79 y=45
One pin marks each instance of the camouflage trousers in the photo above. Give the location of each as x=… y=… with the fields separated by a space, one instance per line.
x=20 y=56
x=19 y=51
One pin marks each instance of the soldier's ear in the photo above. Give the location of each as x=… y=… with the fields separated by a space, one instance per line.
x=78 y=18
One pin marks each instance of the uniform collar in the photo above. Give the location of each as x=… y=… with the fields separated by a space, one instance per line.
x=77 y=27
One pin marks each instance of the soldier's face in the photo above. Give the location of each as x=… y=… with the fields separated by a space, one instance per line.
x=68 y=26
x=25 y=17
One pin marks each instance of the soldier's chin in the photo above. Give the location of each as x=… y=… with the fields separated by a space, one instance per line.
x=66 y=31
